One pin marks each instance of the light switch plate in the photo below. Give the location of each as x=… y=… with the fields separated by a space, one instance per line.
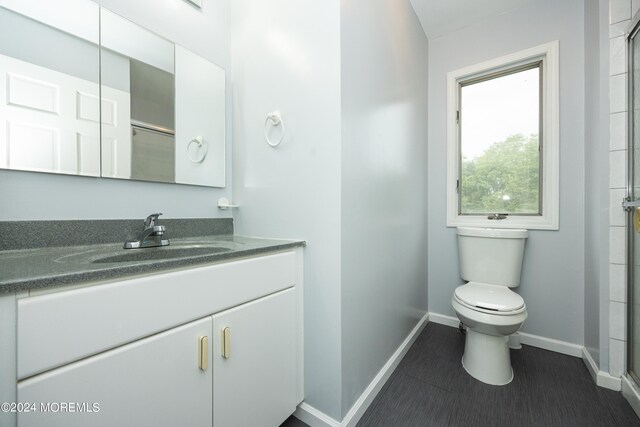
x=197 y=3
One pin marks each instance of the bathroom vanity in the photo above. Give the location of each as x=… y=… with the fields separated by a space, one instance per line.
x=210 y=334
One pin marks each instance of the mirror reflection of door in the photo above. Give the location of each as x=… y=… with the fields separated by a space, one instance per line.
x=49 y=105
x=136 y=107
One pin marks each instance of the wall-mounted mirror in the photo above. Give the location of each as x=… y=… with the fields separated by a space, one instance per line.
x=49 y=89
x=162 y=112
x=163 y=108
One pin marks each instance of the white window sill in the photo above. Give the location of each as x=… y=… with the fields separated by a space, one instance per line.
x=526 y=222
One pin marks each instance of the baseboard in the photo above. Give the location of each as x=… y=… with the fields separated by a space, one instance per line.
x=313 y=417
x=528 y=339
x=441 y=319
x=360 y=406
x=601 y=378
x=608 y=381
x=591 y=365
x=630 y=392
x=551 y=344
x=316 y=418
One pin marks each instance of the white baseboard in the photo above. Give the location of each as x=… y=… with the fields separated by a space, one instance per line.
x=601 y=378
x=313 y=417
x=441 y=319
x=608 y=381
x=528 y=339
x=630 y=393
x=316 y=418
x=591 y=364
x=360 y=406
x=558 y=346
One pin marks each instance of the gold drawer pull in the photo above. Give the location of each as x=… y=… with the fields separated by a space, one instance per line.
x=225 y=337
x=203 y=353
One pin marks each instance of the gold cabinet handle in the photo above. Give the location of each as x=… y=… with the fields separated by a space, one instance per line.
x=203 y=353
x=225 y=340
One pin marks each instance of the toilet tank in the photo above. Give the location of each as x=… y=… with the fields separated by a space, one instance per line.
x=490 y=255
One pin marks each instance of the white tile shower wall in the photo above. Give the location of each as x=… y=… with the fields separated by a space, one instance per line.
x=618 y=29
x=617 y=323
x=620 y=13
x=617 y=215
x=617 y=57
x=618 y=131
x=618 y=99
x=617 y=169
x=617 y=244
x=618 y=283
x=617 y=351
x=619 y=10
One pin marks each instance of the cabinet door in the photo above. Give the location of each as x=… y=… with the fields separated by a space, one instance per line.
x=254 y=383
x=156 y=381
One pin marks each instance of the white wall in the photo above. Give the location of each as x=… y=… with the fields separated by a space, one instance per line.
x=384 y=149
x=27 y=195
x=286 y=56
x=553 y=273
x=596 y=187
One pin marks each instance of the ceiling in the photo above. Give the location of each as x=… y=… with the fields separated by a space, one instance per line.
x=440 y=17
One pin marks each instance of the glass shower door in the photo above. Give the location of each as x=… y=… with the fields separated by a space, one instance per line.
x=632 y=205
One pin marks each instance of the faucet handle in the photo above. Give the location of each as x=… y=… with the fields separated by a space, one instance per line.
x=151 y=220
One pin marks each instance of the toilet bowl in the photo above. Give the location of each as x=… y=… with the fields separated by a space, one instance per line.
x=490 y=262
x=486 y=354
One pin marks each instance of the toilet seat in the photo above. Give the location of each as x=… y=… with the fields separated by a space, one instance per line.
x=489 y=299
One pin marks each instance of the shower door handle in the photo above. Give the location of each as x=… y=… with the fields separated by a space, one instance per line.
x=629 y=204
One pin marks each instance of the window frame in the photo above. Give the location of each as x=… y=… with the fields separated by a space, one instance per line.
x=548 y=54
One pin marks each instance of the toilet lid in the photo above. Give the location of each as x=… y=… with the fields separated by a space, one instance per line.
x=489 y=297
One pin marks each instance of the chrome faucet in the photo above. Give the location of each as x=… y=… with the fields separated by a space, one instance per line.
x=151 y=236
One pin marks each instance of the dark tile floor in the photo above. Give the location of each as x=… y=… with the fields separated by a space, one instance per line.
x=430 y=388
x=293 y=422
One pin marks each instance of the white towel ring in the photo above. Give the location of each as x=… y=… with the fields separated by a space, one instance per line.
x=199 y=141
x=275 y=118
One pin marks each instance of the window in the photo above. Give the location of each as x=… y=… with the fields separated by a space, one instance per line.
x=503 y=142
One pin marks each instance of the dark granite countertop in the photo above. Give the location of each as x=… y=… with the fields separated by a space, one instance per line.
x=30 y=269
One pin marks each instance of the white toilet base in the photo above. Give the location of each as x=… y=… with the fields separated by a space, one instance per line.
x=487 y=358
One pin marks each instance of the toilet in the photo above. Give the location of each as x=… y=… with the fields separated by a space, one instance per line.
x=490 y=264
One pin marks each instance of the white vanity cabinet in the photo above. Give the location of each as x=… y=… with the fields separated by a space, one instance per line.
x=254 y=362
x=131 y=353
x=155 y=381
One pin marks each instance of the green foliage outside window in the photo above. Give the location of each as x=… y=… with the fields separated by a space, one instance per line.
x=504 y=179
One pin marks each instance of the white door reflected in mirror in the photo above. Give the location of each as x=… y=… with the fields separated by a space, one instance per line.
x=129 y=108
x=50 y=121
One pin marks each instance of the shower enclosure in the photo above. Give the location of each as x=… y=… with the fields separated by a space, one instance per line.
x=632 y=205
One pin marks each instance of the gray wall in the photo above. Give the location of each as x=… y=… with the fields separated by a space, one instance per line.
x=349 y=177
x=553 y=273
x=286 y=56
x=27 y=195
x=384 y=148
x=596 y=186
